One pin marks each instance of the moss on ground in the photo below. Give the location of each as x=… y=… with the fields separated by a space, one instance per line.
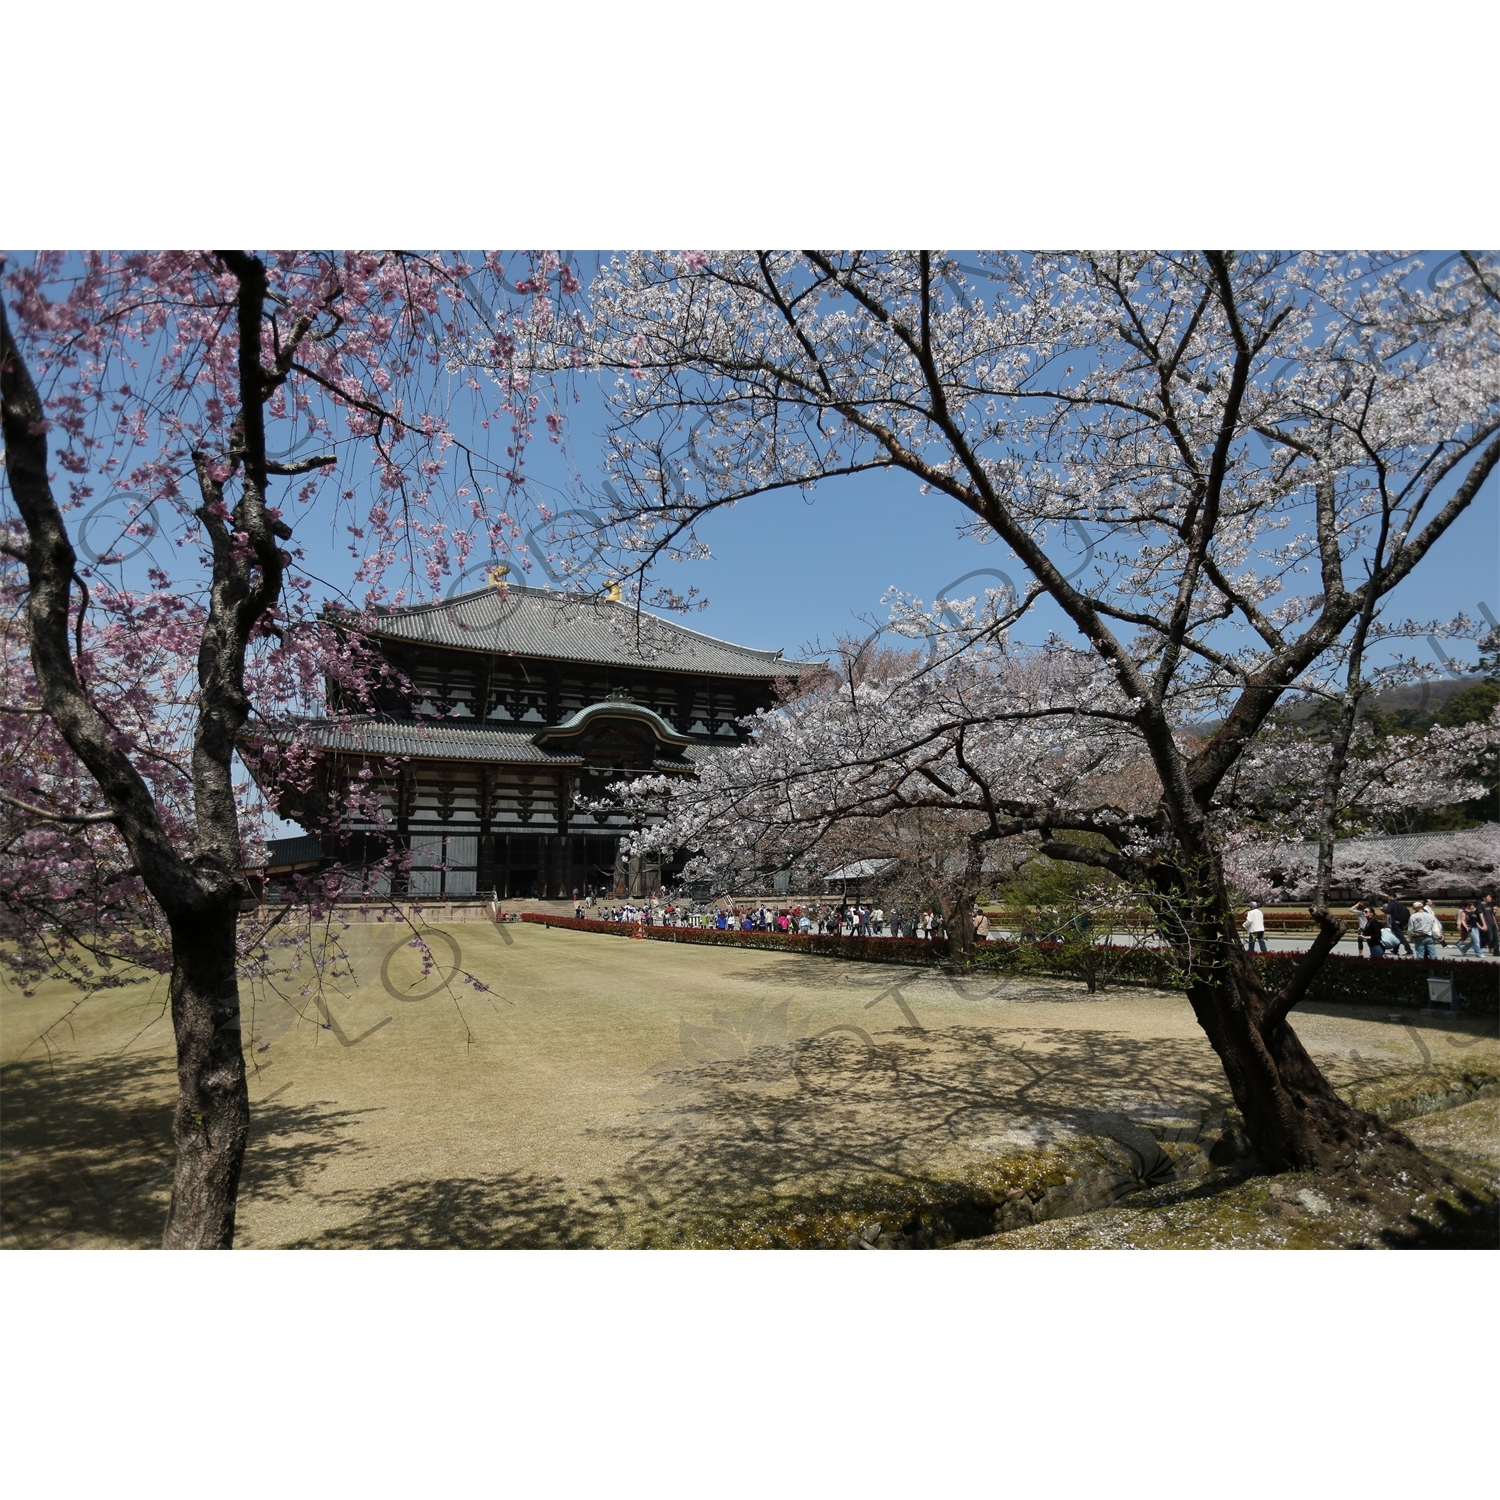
x=881 y=1213
x=1452 y=1115
x=1410 y=1094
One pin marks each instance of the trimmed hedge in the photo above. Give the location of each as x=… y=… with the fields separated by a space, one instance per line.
x=615 y=929
x=1347 y=980
x=1343 y=979
x=1109 y=964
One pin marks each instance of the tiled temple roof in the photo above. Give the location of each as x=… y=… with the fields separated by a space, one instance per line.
x=422 y=740
x=540 y=623
x=300 y=849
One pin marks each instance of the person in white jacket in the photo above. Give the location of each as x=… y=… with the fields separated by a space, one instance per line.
x=1255 y=928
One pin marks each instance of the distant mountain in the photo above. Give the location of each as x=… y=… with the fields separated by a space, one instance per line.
x=1425 y=697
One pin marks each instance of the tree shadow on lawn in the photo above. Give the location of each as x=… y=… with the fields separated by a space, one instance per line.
x=838 y=1109
x=86 y=1150
x=502 y=1211
x=795 y=971
x=842 y=1109
x=973 y=986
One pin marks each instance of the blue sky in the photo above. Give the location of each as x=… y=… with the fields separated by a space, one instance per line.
x=796 y=570
x=787 y=572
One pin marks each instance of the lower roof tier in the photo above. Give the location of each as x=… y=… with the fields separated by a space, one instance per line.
x=604 y=737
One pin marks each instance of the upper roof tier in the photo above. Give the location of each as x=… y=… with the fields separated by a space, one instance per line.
x=520 y=621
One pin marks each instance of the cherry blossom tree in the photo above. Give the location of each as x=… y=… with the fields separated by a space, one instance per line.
x=926 y=768
x=1258 y=449
x=956 y=772
x=174 y=393
x=1279 y=789
x=1274 y=847
x=1461 y=862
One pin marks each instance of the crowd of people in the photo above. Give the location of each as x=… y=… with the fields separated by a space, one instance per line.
x=1384 y=926
x=1387 y=926
x=1391 y=926
x=847 y=919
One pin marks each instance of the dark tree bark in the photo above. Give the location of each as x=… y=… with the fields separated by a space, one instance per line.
x=212 y=1120
x=956 y=902
x=1292 y=1114
x=199 y=895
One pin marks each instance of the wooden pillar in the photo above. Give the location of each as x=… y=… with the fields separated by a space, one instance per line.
x=564 y=861
x=745 y=702
x=486 y=876
x=406 y=796
x=484 y=678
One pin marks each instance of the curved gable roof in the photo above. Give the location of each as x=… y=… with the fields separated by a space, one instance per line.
x=578 y=725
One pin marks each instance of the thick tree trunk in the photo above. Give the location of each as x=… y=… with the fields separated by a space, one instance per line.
x=212 y=1120
x=1292 y=1114
x=958 y=918
x=961 y=939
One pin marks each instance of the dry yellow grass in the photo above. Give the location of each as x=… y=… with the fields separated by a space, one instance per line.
x=610 y=1092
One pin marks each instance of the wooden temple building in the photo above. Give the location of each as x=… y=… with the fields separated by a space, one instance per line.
x=522 y=701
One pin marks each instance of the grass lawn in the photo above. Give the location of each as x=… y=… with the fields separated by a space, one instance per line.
x=616 y=1093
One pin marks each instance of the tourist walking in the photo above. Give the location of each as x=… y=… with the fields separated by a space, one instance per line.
x=1491 y=924
x=1470 y=927
x=1369 y=929
x=1421 y=927
x=1396 y=917
x=1255 y=928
